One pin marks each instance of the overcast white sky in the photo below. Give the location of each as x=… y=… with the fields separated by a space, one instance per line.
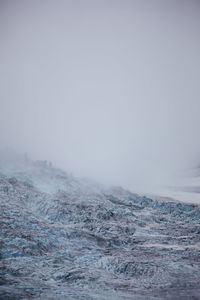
x=106 y=89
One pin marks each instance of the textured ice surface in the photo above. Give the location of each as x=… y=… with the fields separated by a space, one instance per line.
x=69 y=238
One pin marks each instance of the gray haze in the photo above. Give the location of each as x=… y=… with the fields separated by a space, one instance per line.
x=104 y=89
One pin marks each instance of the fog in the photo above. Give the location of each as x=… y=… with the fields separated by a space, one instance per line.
x=104 y=89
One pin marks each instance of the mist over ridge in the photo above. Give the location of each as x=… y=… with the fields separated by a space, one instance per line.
x=107 y=90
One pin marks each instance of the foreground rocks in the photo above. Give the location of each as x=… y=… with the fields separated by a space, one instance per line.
x=64 y=238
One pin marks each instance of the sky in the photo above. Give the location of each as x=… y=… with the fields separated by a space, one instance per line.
x=104 y=89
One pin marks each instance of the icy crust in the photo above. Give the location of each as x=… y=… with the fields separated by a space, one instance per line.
x=89 y=242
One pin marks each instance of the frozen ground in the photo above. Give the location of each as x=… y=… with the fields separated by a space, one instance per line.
x=68 y=238
x=185 y=188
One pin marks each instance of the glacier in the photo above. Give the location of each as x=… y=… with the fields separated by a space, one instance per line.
x=63 y=237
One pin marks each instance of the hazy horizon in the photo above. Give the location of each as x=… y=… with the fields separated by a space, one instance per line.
x=104 y=89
